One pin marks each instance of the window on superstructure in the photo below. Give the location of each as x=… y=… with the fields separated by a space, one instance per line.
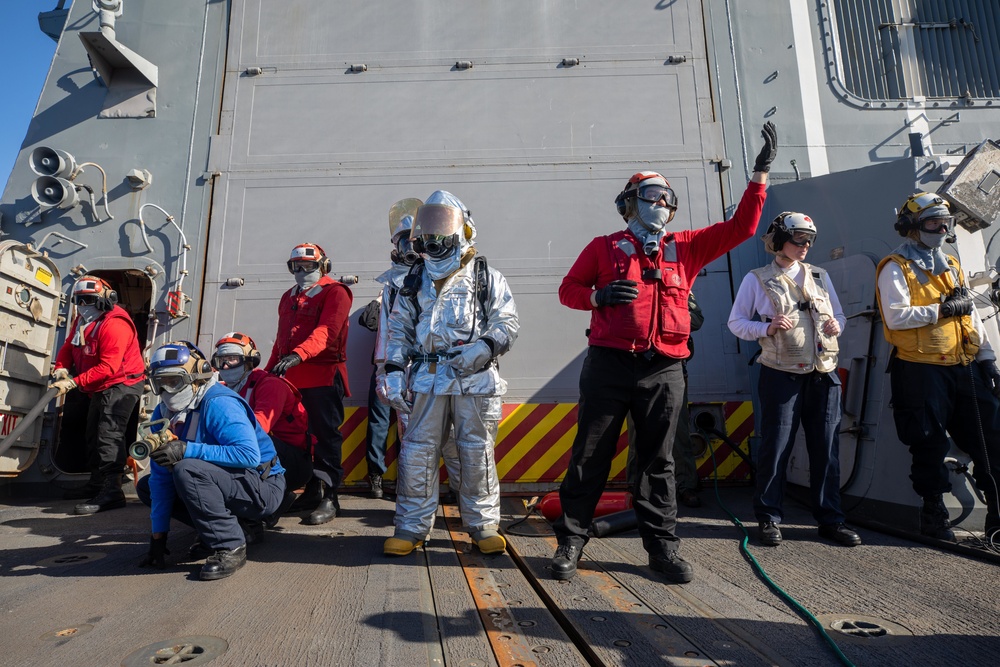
x=912 y=49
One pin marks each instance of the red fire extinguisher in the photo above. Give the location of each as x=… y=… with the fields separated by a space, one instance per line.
x=611 y=501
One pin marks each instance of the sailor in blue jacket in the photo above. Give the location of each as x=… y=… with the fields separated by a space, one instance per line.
x=218 y=467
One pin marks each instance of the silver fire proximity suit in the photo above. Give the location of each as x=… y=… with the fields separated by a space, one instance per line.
x=391 y=281
x=454 y=383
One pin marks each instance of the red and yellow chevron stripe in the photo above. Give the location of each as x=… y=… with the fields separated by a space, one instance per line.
x=534 y=441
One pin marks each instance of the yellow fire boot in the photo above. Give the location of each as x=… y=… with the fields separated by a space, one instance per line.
x=401 y=545
x=489 y=541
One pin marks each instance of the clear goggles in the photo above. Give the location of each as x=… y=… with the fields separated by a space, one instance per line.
x=85 y=299
x=169 y=382
x=936 y=224
x=654 y=192
x=438 y=245
x=224 y=361
x=302 y=266
x=802 y=239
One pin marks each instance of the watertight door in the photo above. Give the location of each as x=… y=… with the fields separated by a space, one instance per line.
x=853 y=279
x=29 y=311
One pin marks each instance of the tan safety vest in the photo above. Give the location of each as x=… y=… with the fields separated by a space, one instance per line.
x=803 y=348
x=947 y=342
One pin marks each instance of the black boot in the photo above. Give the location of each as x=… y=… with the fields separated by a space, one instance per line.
x=224 y=562
x=86 y=492
x=110 y=497
x=934 y=519
x=311 y=497
x=328 y=508
x=376 y=483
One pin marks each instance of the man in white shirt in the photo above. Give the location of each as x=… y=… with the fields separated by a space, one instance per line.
x=800 y=320
x=929 y=317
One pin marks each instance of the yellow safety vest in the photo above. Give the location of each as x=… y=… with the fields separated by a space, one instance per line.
x=947 y=342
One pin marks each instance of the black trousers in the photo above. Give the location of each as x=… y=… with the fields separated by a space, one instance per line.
x=107 y=420
x=296 y=462
x=929 y=402
x=379 y=416
x=325 y=407
x=211 y=499
x=613 y=383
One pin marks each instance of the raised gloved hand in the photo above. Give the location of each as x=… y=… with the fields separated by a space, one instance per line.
x=63 y=385
x=616 y=292
x=991 y=374
x=957 y=304
x=395 y=392
x=157 y=553
x=770 y=149
x=61 y=374
x=470 y=359
x=286 y=362
x=169 y=453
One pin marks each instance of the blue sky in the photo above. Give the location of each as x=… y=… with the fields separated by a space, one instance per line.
x=26 y=54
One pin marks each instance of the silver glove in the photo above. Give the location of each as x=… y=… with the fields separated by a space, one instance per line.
x=469 y=359
x=395 y=391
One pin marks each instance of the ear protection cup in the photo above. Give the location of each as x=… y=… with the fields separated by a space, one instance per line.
x=621 y=201
x=109 y=301
x=468 y=231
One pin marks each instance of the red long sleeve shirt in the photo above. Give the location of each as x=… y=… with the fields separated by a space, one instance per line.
x=313 y=324
x=110 y=354
x=278 y=407
x=658 y=318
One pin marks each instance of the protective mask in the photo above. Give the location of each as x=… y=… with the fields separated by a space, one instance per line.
x=307 y=280
x=88 y=313
x=443 y=267
x=932 y=240
x=234 y=378
x=652 y=216
x=179 y=401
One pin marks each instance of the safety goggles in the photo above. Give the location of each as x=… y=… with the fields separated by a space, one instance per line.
x=85 y=299
x=802 y=239
x=438 y=245
x=654 y=192
x=224 y=361
x=935 y=225
x=302 y=266
x=169 y=382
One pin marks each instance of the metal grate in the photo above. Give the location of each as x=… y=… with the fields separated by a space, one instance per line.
x=912 y=49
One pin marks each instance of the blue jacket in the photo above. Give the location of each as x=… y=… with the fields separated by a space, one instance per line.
x=222 y=430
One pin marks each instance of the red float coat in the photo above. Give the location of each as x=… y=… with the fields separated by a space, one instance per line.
x=278 y=408
x=658 y=318
x=110 y=354
x=313 y=324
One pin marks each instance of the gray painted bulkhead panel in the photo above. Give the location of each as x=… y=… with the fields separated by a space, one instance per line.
x=536 y=150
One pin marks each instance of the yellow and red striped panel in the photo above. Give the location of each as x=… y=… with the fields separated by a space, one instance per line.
x=534 y=441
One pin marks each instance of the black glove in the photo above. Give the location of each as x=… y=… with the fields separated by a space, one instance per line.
x=957 y=304
x=285 y=363
x=992 y=375
x=617 y=292
x=157 y=553
x=770 y=149
x=169 y=453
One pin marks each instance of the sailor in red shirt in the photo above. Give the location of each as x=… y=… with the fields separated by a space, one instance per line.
x=276 y=404
x=310 y=352
x=101 y=358
x=636 y=283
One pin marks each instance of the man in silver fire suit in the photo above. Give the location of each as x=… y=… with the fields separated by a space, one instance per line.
x=453 y=317
x=403 y=258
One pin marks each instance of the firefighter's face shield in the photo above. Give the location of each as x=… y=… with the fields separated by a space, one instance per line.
x=437 y=229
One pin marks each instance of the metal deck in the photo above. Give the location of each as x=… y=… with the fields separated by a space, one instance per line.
x=325 y=595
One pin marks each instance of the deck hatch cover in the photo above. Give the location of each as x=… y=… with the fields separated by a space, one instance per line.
x=187 y=651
